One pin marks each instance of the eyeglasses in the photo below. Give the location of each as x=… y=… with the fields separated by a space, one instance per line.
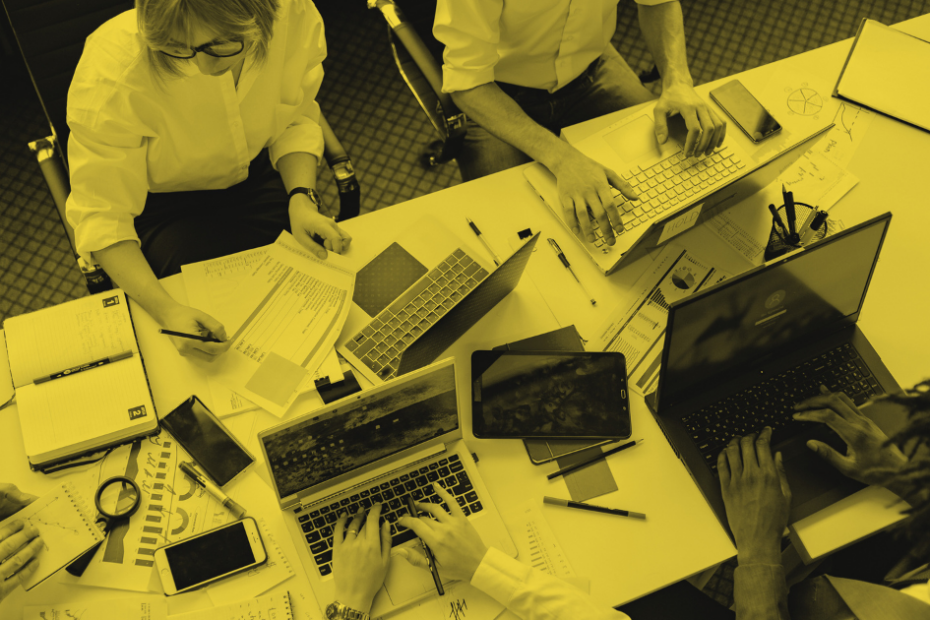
x=224 y=49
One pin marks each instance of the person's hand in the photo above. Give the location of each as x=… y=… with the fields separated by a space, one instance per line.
x=361 y=556
x=868 y=459
x=454 y=541
x=307 y=222
x=756 y=496
x=12 y=500
x=706 y=130
x=19 y=546
x=585 y=184
x=189 y=320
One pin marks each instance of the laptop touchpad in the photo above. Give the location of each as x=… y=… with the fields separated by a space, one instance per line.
x=405 y=582
x=382 y=280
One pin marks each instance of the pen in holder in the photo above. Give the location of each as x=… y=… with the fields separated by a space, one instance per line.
x=815 y=221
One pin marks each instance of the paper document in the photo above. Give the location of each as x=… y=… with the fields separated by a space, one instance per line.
x=535 y=542
x=817 y=180
x=283 y=320
x=637 y=330
x=271 y=607
x=124 y=609
x=461 y=601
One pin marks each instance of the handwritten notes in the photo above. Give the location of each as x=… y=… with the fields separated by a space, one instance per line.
x=271 y=607
x=126 y=609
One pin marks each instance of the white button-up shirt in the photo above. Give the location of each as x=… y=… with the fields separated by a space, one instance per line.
x=535 y=43
x=131 y=134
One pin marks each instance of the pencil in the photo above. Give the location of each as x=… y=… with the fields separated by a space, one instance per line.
x=582 y=506
x=593 y=458
x=191 y=336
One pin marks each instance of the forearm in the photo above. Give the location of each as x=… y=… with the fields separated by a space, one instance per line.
x=664 y=31
x=499 y=114
x=298 y=170
x=760 y=592
x=126 y=265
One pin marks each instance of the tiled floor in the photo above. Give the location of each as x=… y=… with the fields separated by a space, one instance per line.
x=378 y=120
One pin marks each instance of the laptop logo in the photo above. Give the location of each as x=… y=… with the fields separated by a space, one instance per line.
x=775 y=299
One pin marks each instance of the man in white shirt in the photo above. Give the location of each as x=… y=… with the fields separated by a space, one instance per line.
x=195 y=134
x=523 y=69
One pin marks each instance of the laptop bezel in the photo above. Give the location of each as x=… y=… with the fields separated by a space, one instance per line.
x=843 y=323
x=445 y=439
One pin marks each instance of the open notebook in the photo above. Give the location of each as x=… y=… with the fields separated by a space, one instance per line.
x=79 y=379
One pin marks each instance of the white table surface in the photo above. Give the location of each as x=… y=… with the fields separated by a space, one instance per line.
x=623 y=558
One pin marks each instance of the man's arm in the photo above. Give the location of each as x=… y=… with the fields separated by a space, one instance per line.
x=664 y=31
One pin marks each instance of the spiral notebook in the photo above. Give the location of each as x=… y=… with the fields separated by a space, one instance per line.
x=66 y=526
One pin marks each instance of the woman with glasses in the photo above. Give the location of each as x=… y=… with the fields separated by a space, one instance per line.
x=195 y=134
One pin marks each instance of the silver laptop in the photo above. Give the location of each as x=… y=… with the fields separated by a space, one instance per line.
x=378 y=445
x=676 y=192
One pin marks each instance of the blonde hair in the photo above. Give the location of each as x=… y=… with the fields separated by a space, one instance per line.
x=161 y=20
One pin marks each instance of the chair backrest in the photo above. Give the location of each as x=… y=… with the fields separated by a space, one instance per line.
x=51 y=36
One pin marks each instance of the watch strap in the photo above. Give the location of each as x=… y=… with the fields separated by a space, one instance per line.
x=308 y=191
x=338 y=611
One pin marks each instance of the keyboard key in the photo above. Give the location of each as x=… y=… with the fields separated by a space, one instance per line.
x=303 y=518
x=318 y=522
x=314 y=536
x=323 y=558
x=329 y=518
x=326 y=569
x=471 y=496
x=319 y=547
x=476 y=507
x=327 y=532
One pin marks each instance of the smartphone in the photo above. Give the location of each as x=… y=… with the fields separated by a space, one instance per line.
x=211 y=555
x=745 y=110
x=210 y=444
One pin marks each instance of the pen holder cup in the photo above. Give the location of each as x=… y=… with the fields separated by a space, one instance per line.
x=776 y=246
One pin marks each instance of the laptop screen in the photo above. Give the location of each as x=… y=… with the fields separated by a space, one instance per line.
x=321 y=448
x=768 y=311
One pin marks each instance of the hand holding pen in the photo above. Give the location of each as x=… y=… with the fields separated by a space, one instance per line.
x=194 y=333
x=361 y=557
x=452 y=539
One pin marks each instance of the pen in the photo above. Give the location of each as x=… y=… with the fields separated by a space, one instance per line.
x=83 y=367
x=790 y=214
x=430 y=559
x=191 y=336
x=593 y=458
x=188 y=468
x=779 y=225
x=612 y=511
x=803 y=231
x=497 y=259
x=558 y=252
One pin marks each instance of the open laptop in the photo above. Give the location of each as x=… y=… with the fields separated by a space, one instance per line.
x=738 y=356
x=676 y=193
x=378 y=446
x=418 y=296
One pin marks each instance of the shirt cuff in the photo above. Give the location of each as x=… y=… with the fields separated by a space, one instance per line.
x=499 y=576
x=456 y=79
x=653 y=2
x=760 y=592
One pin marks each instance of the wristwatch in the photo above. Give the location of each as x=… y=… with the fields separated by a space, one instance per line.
x=338 y=611
x=312 y=193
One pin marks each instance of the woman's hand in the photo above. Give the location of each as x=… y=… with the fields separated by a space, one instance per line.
x=756 y=495
x=454 y=541
x=307 y=222
x=19 y=543
x=181 y=318
x=866 y=452
x=706 y=130
x=361 y=556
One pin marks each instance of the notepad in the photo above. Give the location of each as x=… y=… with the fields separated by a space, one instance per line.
x=122 y=609
x=888 y=71
x=107 y=403
x=271 y=607
x=66 y=527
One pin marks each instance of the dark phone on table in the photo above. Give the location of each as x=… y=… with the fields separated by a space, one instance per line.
x=209 y=443
x=745 y=110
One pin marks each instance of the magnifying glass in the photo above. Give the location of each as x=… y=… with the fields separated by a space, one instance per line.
x=117 y=499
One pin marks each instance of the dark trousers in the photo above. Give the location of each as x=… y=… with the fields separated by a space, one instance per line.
x=178 y=228
x=679 y=600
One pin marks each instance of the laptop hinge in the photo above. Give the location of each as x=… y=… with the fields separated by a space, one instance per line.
x=368 y=478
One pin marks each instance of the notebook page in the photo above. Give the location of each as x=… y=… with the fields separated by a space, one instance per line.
x=65 y=525
x=123 y=609
x=98 y=403
x=68 y=335
x=271 y=607
x=890 y=72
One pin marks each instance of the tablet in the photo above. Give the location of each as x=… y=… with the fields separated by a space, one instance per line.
x=549 y=394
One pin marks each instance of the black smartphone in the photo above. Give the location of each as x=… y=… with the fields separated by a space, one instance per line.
x=209 y=443
x=745 y=110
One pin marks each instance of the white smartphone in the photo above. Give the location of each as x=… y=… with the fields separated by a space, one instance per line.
x=211 y=555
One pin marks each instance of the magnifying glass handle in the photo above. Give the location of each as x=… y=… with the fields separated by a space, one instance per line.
x=78 y=566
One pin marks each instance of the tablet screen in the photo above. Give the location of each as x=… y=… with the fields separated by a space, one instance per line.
x=549 y=394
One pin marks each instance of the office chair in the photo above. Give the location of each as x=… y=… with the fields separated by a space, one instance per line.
x=418 y=56
x=51 y=38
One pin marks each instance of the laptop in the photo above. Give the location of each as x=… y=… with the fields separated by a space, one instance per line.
x=416 y=298
x=738 y=356
x=676 y=192
x=378 y=446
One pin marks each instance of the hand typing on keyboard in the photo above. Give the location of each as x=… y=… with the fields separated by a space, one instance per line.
x=361 y=556
x=869 y=458
x=706 y=130
x=454 y=541
x=585 y=185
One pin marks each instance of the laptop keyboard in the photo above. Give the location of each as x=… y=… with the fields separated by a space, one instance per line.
x=318 y=524
x=771 y=402
x=669 y=183
x=380 y=344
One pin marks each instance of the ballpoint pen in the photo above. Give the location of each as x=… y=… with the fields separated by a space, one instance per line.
x=96 y=363
x=430 y=558
x=596 y=457
x=497 y=259
x=211 y=338
x=779 y=225
x=235 y=509
x=790 y=214
x=582 y=506
x=558 y=252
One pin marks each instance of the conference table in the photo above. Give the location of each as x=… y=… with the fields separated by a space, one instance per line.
x=621 y=559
